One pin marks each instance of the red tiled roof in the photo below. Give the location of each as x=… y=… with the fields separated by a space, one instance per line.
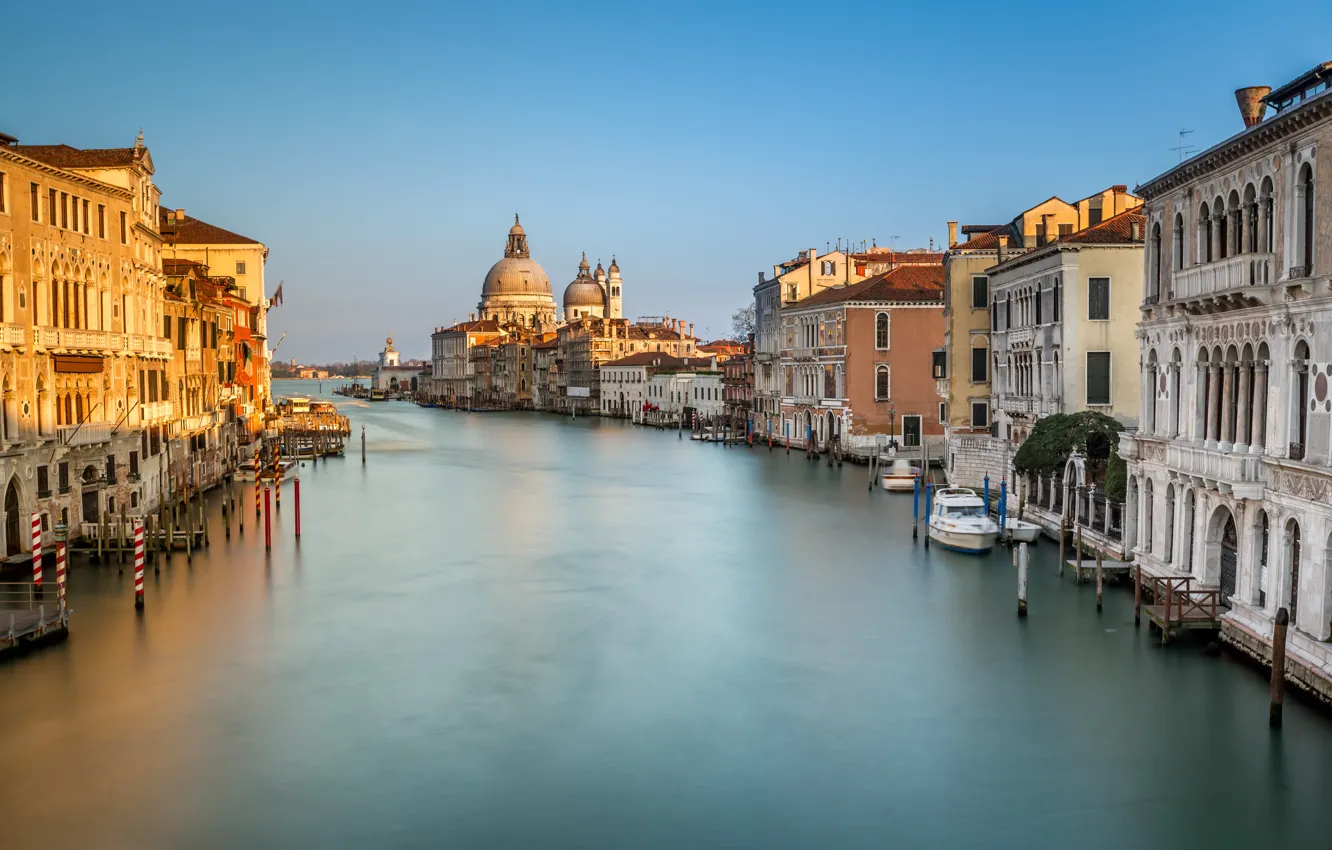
x=192 y=231
x=985 y=242
x=474 y=326
x=904 y=283
x=914 y=258
x=64 y=156
x=179 y=267
x=1116 y=230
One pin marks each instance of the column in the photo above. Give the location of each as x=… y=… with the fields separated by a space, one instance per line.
x=1227 y=417
x=1213 y=390
x=1258 y=425
x=1243 y=414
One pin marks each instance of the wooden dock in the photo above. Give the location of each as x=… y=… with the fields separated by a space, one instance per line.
x=1085 y=570
x=1177 y=606
x=29 y=615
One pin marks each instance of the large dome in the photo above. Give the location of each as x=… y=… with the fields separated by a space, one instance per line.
x=516 y=276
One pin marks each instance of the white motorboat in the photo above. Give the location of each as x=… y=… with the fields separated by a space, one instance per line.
x=959 y=520
x=1021 y=531
x=900 y=477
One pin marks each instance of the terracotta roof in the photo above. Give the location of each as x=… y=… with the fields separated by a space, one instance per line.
x=1116 y=230
x=986 y=242
x=192 y=231
x=904 y=283
x=914 y=258
x=550 y=343
x=64 y=156
x=647 y=358
x=179 y=267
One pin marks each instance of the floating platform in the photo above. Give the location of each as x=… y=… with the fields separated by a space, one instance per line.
x=30 y=615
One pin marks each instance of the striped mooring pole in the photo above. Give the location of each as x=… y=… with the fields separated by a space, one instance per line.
x=138 y=565
x=37 y=550
x=60 y=573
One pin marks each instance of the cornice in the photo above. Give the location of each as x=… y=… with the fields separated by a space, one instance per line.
x=1240 y=146
x=72 y=176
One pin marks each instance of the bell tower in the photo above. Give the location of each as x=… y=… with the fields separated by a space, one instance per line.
x=614 y=309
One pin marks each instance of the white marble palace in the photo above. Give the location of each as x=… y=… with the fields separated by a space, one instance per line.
x=1230 y=472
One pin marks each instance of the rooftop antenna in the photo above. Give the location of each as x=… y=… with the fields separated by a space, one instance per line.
x=1184 y=148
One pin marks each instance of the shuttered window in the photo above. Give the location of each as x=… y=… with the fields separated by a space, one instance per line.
x=1098 y=377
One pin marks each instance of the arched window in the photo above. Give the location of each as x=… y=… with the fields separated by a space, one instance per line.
x=1148 y=513
x=882 y=385
x=1168 y=552
x=881 y=331
x=1304 y=231
x=1204 y=234
x=1293 y=547
x=1178 y=243
x=1299 y=422
x=1262 y=546
x=1156 y=261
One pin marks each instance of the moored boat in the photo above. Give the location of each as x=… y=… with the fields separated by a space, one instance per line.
x=1021 y=531
x=960 y=521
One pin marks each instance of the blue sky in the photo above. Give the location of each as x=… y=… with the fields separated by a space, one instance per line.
x=380 y=150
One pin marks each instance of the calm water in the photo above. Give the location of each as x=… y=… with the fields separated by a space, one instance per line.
x=510 y=630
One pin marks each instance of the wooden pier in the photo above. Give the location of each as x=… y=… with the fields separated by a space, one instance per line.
x=1177 y=606
x=29 y=615
x=1085 y=570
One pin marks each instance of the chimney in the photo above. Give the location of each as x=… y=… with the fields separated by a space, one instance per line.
x=952 y=234
x=1251 y=105
x=1135 y=230
x=1003 y=245
x=180 y=216
x=691 y=328
x=1115 y=191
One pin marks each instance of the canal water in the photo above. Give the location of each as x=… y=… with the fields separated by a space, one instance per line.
x=513 y=630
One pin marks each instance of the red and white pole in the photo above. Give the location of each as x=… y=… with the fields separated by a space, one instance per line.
x=138 y=565
x=268 y=522
x=37 y=550
x=257 y=509
x=297 y=484
x=60 y=573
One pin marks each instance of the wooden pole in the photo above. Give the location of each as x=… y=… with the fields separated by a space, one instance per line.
x=1137 y=594
x=362 y=445
x=226 y=513
x=1100 y=584
x=1278 y=686
x=1077 y=553
x=1022 y=560
x=268 y=522
x=297 y=486
x=1063 y=534
x=1165 y=621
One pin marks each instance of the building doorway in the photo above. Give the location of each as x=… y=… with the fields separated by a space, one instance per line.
x=911 y=431
x=13 y=534
x=1229 y=559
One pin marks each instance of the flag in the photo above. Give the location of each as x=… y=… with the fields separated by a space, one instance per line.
x=277 y=295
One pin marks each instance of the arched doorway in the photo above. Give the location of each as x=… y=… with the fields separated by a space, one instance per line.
x=1222 y=552
x=1293 y=566
x=13 y=532
x=89 y=494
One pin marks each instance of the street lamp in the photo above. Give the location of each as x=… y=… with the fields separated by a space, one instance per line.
x=892 y=426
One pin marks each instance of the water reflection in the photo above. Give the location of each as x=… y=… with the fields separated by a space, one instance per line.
x=508 y=630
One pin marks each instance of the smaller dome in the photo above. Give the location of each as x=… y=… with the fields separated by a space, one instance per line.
x=584 y=292
x=582 y=265
x=517 y=228
x=614 y=267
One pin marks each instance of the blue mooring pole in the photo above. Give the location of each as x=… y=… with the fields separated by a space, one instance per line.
x=915 y=508
x=1003 y=507
x=929 y=488
x=987 y=494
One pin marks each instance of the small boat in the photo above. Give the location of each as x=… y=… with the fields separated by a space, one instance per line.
x=1021 y=531
x=900 y=477
x=959 y=520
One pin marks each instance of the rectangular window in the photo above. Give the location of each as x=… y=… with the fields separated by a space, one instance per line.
x=64 y=210
x=43 y=483
x=124 y=230
x=52 y=210
x=34 y=201
x=1094 y=213
x=943 y=413
x=110 y=469
x=980 y=360
x=166 y=327
x=64 y=476
x=1098 y=377
x=911 y=430
x=134 y=465
x=240 y=268
x=1065 y=230
x=980 y=292
x=4 y=190
x=980 y=414
x=1098 y=299
x=1040 y=299
x=940 y=361
x=180 y=332
x=86 y=225
x=101 y=221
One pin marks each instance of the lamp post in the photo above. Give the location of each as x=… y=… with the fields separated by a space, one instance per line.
x=892 y=428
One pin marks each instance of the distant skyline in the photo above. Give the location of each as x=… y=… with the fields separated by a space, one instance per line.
x=380 y=151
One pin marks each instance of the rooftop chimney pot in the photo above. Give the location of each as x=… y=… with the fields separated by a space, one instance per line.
x=952 y=234
x=1251 y=105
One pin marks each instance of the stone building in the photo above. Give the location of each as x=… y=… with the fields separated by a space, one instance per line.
x=856 y=361
x=516 y=289
x=1230 y=473
x=594 y=294
x=451 y=369
x=586 y=343
x=625 y=381
x=81 y=301
x=738 y=385
x=391 y=376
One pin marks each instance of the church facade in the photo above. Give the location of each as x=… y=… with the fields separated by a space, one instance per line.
x=517 y=290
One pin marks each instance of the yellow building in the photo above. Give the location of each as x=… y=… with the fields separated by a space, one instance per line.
x=81 y=292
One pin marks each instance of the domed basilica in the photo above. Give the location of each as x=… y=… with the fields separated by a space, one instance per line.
x=518 y=291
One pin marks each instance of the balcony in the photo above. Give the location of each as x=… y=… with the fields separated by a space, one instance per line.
x=805 y=353
x=13 y=335
x=1018 y=404
x=155 y=412
x=87 y=434
x=1228 y=473
x=1232 y=279
x=1019 y=336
